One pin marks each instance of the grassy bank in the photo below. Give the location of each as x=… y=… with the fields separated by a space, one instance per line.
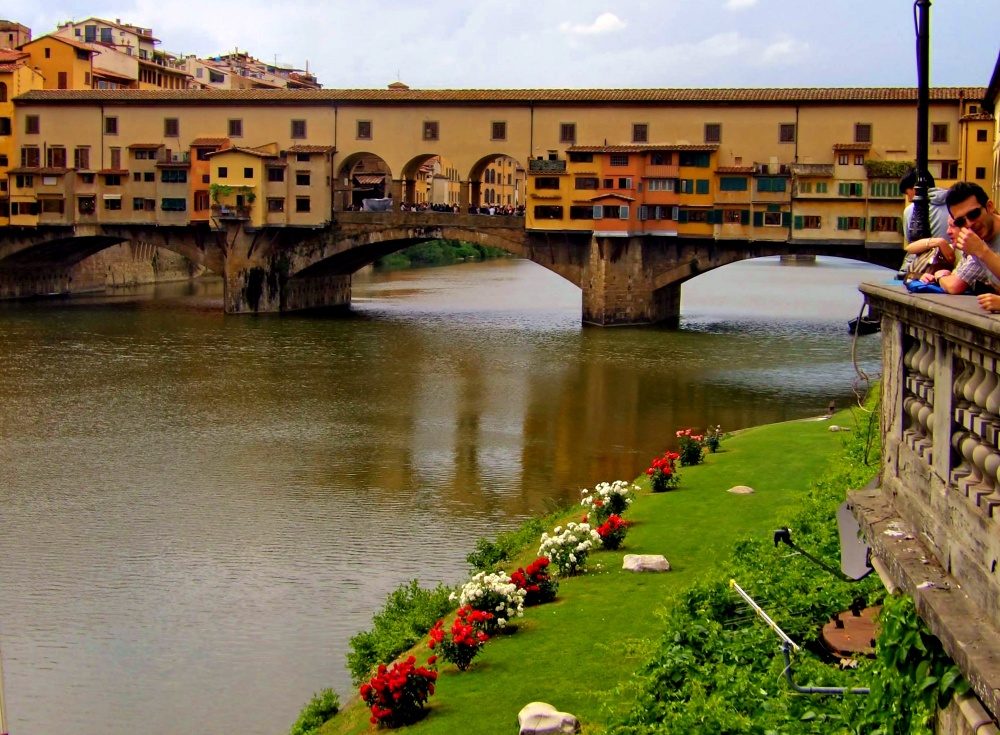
x=577 y=652
x=438 y=252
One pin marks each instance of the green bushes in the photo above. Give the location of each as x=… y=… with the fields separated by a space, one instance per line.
x=410 y=611
x=489 y=555
x=439 y=252
x=321 y=708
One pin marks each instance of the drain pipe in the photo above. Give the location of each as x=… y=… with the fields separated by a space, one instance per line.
x=786 y=652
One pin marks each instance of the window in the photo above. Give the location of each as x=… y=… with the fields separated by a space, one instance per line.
x=812 y=222
x=980 y=172
x=215 y=77
x=547 y=182
x=498 y=131
x=171 y=127
x=771 y=184
x=111 y=126
x=939 y=132
x=949 y=169
x=302 y=179
x=235 y=127
x=53 y=206
x=137 y=176
x=859 y=159
x=608 y=184
x=786 y=133
x=222 y=172
x=713 y=133
x=149 y=176
x=619 y=159
x=364 y=132
x=5 y=128
x=772 y=219
x=206 y=178
x=548 y=212
x=302 y=157
x=587 y=182
x=4 y=161
x=431 y=130
x=698 y=215
x=567 y=134
x=701 y=186
x=62 y=80
x=56 y=157
x=696 y=159
x=851 y=190
x=174 y=176
x=661 y=159
x=106 y=36
x=24 y=181
x=247 y=172
x=660 y=184
x=112 y=180
x=141 y=155
x=885 y=224
x=302 y=204
x=31 y=125
x=733 y=183
x=687 y=186
x=86 y=78
x=850 y=223
x=31 y=156
x=48 y=53
x=275 y=205
x=625 y=182
x=821 y=187
x=113 y=203
x=86 y=205
x=640 y=133
x=973 y=109
x=298 y=129
x=86 y=178
x=581 y=212
x=581 y=157
x=884 y=189
x=173 y=204
x=732 y=216
x=610 y=211
x=862 y=132
x=116 y=158
x=138 y=204
x=981 y=136
x=202 y=153
x=275 y=174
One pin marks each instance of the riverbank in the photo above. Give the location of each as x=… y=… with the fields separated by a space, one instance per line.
x=580 y=653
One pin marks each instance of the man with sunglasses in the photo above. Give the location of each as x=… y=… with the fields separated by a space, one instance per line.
x=978 y=225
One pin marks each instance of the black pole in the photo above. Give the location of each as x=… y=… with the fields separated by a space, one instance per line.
x=920 y=225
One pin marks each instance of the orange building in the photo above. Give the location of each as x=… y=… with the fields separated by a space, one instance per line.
x=62 y=62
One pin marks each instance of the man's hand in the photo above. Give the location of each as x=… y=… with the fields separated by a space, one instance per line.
x=971 y=243
x=990 y=301
x=933 y=277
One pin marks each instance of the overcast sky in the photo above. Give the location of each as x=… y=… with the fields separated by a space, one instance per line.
x=568 y=43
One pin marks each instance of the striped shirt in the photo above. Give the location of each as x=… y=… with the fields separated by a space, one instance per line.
x=972 y=271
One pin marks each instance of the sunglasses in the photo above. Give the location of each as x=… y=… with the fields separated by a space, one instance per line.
x=971 y=216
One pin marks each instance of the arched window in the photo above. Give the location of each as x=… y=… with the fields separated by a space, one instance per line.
x=3 y=92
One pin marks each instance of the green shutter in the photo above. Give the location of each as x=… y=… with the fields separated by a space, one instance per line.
x=798 y=222
x=763 y=185
x=861 y=221
x=842 y=189
x=745 y=217
x=682 y=216
x=758 y=219
x=841 y=223
x=778 y=185
x=773 y=207
x=786 y=219
x=701 y=186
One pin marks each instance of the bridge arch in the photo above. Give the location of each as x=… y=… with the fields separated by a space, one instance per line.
x=361 y=175
x=489 y=182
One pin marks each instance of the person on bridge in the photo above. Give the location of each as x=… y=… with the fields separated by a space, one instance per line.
x=976 y=227
x=938 y=214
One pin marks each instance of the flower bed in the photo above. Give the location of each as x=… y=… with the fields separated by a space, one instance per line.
x=612 y=533
x=537 y=583
x=396 y=695
x=692 y=447
x=495 y=594
x=663 y=473
x=464 y=641
x=608 y=499
x=568 y=548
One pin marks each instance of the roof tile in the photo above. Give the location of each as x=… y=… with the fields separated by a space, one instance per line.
x=312 y=149
x=206 y=141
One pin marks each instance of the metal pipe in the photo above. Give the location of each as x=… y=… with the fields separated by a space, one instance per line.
x=920 y=226
x=815 y=690
x=786 y=641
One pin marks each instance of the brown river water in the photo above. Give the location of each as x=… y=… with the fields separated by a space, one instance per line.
x=198 y=511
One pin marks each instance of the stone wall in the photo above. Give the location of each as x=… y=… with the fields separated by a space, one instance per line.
x=130 y=264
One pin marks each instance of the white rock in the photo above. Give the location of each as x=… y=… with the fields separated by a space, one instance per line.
x=645 y=563
x=834 y=427
x=539 y=718
x=741 y=490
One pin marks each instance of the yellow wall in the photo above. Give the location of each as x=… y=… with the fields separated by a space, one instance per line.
x=62 y=58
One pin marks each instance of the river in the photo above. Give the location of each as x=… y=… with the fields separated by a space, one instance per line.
x=199 y=510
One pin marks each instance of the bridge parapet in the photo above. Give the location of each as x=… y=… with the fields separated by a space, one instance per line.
x=430 y=219
x=935 y=522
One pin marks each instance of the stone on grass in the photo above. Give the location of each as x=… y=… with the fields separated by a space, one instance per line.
x=645 y=563
x=834 y=427
x=539 y=718
x=741 y=490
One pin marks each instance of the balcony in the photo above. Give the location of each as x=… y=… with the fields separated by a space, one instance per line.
x=173 y=158
x=934 y=525
x=541 y=165
x=812 y=169
x=662 y=172
x=227 y=212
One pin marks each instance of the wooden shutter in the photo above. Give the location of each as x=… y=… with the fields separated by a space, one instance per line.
x=786 y=219
x=598 y=211
x=798 y=222
x=758 y=219
x=744 y=216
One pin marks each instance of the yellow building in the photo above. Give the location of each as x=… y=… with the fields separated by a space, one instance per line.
x=62 y=62
x=16 y=77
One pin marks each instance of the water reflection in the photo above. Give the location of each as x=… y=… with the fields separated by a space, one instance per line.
x=200 y=510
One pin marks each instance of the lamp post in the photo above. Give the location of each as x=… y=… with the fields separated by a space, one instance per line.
x=920 y=225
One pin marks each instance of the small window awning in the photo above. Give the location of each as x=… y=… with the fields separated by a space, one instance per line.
x=112 y=196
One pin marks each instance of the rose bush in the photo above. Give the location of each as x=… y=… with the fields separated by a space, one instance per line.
x=663 y=473
x=607 y=499
x=713 y=438
x=464 y=641
x=396 y=694
x=537 y=583
x=493 y=593
x=612 y=532
x=568 y=547
x=691 y=447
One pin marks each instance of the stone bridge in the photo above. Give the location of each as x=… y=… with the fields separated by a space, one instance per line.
x=625 y=280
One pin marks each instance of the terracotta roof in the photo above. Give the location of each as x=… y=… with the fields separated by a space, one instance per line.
x=984 y=116
x=676 y=96
x=208 y=141
x=852 y=146
x=7 y=68
x=612 y=195
x=641 y=148
x=7 y=55
x=173 y=164
x=145 y=146
x=369 y=178
x=311 y=149
x=45 y=171
x=735 y=170
x=132 y=29
x=63 y=39
x=105 y=74
x=258 y=152
x=113 y=172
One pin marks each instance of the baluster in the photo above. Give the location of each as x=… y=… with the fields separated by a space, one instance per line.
x=963 y=468
x=968 y=450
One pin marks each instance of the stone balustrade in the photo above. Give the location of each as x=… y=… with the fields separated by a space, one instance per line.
x=934 y=524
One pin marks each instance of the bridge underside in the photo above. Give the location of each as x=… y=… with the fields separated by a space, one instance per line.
x=625 y=280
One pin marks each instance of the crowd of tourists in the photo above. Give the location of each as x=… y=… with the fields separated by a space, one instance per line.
x=962 y=254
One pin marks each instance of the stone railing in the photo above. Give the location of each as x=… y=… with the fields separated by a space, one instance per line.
x=935 y=522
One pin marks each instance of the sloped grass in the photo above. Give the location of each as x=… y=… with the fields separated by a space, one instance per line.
x=574 y=653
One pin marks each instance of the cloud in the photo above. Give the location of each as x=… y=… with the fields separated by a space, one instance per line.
x=779 y=51
x=740 y=4
x=604 y=23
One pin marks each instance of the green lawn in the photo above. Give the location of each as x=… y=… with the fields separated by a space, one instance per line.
x=572 y=653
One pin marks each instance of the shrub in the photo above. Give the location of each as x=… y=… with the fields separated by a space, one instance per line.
x=464 y=641
x=321 y=708
x=493 y=593
x=713 y=438
x=537 y=583
x=612 y=533
x=408 y=614
x=607 y=499
x=663 y=473
x=396 y=695
x=569 y=547
x=691 y=447
x=491 y=554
